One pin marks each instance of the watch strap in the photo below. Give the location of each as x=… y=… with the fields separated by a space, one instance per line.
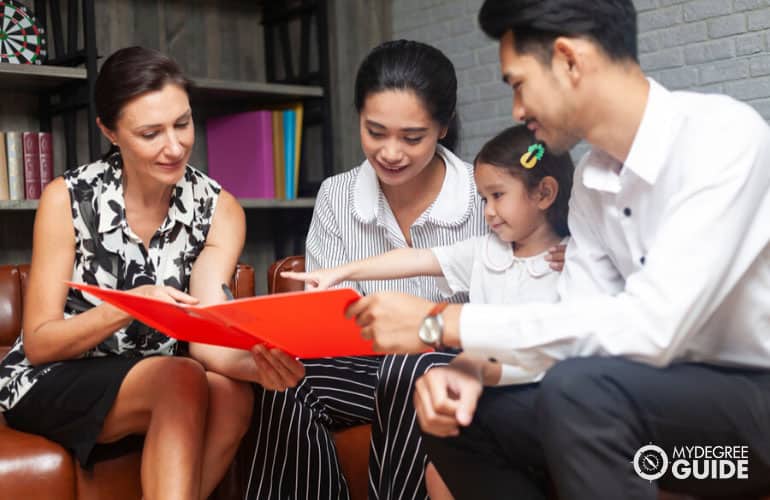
x=438 y=309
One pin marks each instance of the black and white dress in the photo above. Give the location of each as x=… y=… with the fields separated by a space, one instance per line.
x=67 y=401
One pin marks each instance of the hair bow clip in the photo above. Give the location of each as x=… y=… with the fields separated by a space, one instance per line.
x=534 y=154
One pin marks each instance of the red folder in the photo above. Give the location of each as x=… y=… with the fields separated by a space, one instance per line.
x=308 y=324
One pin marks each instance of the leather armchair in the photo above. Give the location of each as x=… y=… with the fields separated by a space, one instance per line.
x=32 y=467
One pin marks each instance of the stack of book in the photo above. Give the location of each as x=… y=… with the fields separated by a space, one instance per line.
x=26 y=164
x=256 y=154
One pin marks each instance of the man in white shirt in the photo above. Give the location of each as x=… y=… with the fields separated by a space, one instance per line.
x=662 y=333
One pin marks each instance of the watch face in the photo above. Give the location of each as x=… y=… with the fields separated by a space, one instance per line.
x=430 y=330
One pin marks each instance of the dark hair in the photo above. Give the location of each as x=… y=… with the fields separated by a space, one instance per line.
x=505 y=150
x=129 y=73
x=537 y=23
x=415 y=66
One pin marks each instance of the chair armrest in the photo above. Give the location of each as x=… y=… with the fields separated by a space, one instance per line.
x=277 y=284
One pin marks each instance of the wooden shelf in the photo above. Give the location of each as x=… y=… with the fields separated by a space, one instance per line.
x=247 y=203
x=34 y=78
x=18 y=205
x=207 y=92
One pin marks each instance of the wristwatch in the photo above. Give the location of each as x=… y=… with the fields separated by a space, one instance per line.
x=432 y=328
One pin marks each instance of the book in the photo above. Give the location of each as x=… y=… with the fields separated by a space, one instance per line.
x=264 y=138
x=289 y=132
x=307 y=324
x=31 y=145
x=4 y=192
x=298 y=112
x=240 y=153
x=13 y=150
x=46 y=159
x=278 y=154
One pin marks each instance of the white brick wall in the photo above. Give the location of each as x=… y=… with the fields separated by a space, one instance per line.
x=705 y=45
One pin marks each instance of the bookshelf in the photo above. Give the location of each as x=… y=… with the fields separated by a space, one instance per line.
x=29 y=78
x=212 y=92
x=251 y=56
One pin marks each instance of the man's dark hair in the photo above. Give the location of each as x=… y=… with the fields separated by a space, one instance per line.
x=611 y=24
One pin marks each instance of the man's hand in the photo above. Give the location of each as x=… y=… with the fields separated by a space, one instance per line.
x=392 y=320
x=276 y=370
x=556 y=257
x=445 y=398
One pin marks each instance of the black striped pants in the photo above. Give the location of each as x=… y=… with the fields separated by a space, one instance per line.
x=294 y=454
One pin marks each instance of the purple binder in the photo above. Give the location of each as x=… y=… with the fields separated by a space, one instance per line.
x=240 y=153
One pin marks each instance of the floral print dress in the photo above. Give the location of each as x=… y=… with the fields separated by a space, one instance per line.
x=110 y=255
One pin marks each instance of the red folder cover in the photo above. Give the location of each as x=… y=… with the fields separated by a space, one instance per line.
x=309 y=324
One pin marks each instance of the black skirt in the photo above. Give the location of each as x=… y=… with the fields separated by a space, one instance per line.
x=68 y=405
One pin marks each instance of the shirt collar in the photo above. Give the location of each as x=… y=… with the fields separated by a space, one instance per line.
x=112 y=203
x=498 y=256
x=451 y=207
x=650 y=148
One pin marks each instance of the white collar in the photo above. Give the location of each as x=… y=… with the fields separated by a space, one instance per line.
x=649 y=151
x=498 y=256
x=451 y=207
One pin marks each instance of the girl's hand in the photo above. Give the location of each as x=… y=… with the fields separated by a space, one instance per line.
x=316 y=280
x=556 y=257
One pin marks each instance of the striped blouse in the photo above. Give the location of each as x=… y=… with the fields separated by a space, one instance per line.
x=352 y=220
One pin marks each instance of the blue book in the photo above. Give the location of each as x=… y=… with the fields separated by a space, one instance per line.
x=289 y=136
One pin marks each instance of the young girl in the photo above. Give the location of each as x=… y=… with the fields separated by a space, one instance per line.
x=525 y=191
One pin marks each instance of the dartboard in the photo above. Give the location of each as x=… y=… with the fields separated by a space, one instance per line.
x=22 y=39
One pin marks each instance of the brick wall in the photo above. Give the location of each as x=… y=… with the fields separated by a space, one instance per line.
x=705 y=45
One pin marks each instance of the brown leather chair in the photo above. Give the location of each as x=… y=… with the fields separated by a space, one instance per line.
x=32 y=467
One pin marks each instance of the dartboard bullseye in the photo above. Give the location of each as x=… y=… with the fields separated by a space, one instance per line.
x=22 y=39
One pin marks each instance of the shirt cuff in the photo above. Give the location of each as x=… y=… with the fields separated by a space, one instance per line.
x=514 y=375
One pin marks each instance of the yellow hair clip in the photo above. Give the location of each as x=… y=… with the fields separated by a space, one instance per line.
x=534 y=154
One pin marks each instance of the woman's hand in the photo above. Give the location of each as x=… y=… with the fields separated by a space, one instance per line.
x=316 y=280
x=276 y=370
x=164 y=293
x=556 y=257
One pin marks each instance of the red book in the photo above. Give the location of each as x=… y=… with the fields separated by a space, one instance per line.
x=31 y=147
x=308 y=324
x=46 y=159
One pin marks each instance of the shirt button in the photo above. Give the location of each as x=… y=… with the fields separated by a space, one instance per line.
x=627 y=212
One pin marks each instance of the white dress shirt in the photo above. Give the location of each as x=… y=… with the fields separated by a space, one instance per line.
x=669 y=257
